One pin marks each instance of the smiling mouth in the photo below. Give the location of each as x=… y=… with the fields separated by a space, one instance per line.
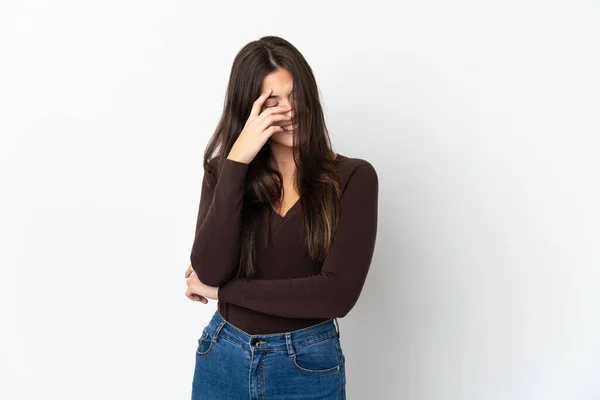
x=290 y=127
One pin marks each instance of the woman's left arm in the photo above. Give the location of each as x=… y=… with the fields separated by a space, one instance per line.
x=335 y=291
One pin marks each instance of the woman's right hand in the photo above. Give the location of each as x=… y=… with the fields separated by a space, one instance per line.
x=257 y=130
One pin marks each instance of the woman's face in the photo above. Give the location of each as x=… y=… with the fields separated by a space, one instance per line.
x=281 y=81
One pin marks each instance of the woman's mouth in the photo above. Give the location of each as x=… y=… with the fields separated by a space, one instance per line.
x=290 y=128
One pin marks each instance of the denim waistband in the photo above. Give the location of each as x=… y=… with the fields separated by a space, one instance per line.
x=218 y=328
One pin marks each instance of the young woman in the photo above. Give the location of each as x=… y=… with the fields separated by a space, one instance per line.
x=284 y=238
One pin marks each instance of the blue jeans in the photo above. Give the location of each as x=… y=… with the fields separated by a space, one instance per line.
x=303 y=364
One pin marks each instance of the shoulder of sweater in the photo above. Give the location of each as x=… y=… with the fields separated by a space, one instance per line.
x=356 y=168
x=214 y=162
x=214 y=166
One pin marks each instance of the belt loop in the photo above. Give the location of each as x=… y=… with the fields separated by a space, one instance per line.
x=337 y=325
x=216 y=333
x=288 y=344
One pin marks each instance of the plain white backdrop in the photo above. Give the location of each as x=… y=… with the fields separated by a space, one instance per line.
x=481 y=118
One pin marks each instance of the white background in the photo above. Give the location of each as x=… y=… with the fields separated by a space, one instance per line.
x=481 y=118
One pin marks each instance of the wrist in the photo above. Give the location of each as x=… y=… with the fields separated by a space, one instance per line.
x=234 y=156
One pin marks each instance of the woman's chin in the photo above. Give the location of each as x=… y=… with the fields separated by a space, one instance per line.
x=282 y=139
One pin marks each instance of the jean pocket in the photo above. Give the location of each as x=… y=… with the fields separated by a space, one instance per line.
x=205 y=344
x=319 y=358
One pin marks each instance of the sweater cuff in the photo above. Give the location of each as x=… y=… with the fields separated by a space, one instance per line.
x=234 y=169
x=231 y=291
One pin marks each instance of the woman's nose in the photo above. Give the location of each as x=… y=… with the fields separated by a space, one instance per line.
x=289 y=113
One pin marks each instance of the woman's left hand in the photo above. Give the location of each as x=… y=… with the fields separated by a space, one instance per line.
x=197 y=290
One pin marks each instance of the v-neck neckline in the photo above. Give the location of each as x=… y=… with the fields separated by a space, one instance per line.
x=293 y=208
x=289 y=211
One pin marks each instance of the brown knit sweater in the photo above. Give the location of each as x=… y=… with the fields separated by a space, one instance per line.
x=291 y=291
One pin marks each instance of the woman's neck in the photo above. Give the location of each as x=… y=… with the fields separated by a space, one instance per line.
x=282 y=159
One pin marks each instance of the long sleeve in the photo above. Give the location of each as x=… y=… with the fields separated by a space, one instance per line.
x=335 y=290
x=216 y=249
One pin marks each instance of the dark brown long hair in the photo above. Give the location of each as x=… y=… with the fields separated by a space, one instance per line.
x=317 y=177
